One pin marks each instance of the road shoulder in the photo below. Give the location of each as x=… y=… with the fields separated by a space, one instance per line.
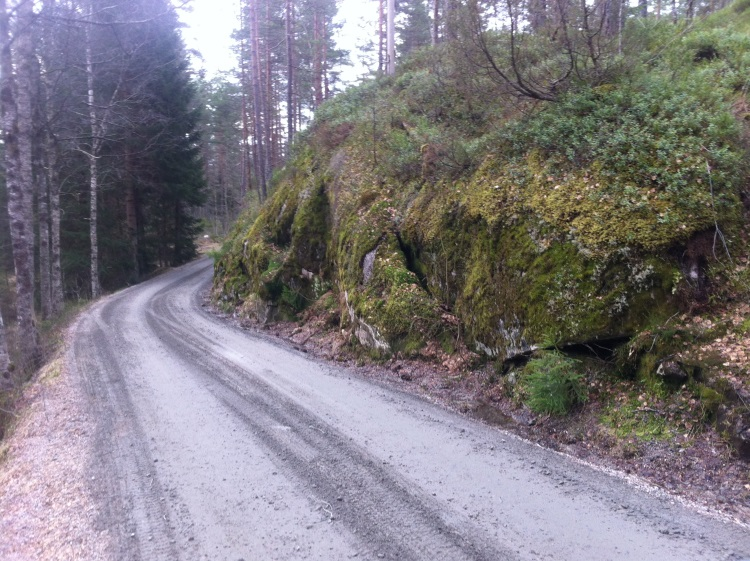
x=48 y=509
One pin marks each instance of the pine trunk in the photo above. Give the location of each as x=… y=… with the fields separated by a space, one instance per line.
x=324 y=69
x=244 y=86
x=268 y=109
x=289 y=72
x=391 y=39
x=258 y=102
x=317 y=61
x=381 y=36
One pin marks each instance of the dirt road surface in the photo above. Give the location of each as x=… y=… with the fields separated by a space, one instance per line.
x=221 y=444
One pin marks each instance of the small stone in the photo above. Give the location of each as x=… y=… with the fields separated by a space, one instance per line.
x=672 y=371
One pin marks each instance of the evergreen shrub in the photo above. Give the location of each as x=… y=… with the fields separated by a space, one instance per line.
x=553 y=384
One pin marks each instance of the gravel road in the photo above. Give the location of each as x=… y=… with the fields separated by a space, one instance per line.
x=216 y=443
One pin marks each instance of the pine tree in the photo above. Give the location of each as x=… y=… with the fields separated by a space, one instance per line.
x=414 y=31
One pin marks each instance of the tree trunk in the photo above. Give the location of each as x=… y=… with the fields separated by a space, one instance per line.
x=6 y=381
x=131 y=217
x=391 y=39
x=381 y=36
x=449 y=26
x=317 y=60
x=258 y=102
x=178 y=241
x=268 y=108
x=324 y=66
x=56 y=285
x=435 y=22
x=289 y=72
x=7 y=108
x=41 y=188
x=244 y=86
x=52 y=184
x=538 y=14
x=17 y=125
x=45 y=277
x=93 y=170
x=221 y=150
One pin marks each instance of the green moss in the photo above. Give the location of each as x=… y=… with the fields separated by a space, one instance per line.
x=394 y=300
x=281 y=257
x=473 y=207
x=710 y=400
x=630 y=419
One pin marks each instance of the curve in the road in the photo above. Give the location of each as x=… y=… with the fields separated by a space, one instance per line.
x=218 y=443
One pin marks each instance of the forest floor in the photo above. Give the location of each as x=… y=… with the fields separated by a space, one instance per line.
x=661 y=438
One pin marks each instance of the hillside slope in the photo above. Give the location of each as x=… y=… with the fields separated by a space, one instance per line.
x=434 y=208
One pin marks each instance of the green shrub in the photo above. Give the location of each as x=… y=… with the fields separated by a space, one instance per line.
x=655 y=133
x=553 y=384
x=293 y=298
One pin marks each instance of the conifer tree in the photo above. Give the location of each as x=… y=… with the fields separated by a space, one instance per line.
x=414 y=31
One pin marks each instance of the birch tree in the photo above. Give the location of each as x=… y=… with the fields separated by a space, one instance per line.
x=99 y=121
x=17 y=131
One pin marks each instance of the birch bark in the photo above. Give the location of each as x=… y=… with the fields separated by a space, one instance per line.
x=93 y=170
x=17 y=130
x=99 y=123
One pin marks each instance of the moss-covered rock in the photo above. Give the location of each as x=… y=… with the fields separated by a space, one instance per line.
x=583 y=220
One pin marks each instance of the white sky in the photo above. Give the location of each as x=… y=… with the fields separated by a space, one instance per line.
x=211 y=22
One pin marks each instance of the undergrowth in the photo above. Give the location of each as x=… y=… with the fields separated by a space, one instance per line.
x=52 y=335
x=553 y=384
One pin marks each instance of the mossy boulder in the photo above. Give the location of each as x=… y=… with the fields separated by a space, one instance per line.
x=416 y=200
x=281 y=258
